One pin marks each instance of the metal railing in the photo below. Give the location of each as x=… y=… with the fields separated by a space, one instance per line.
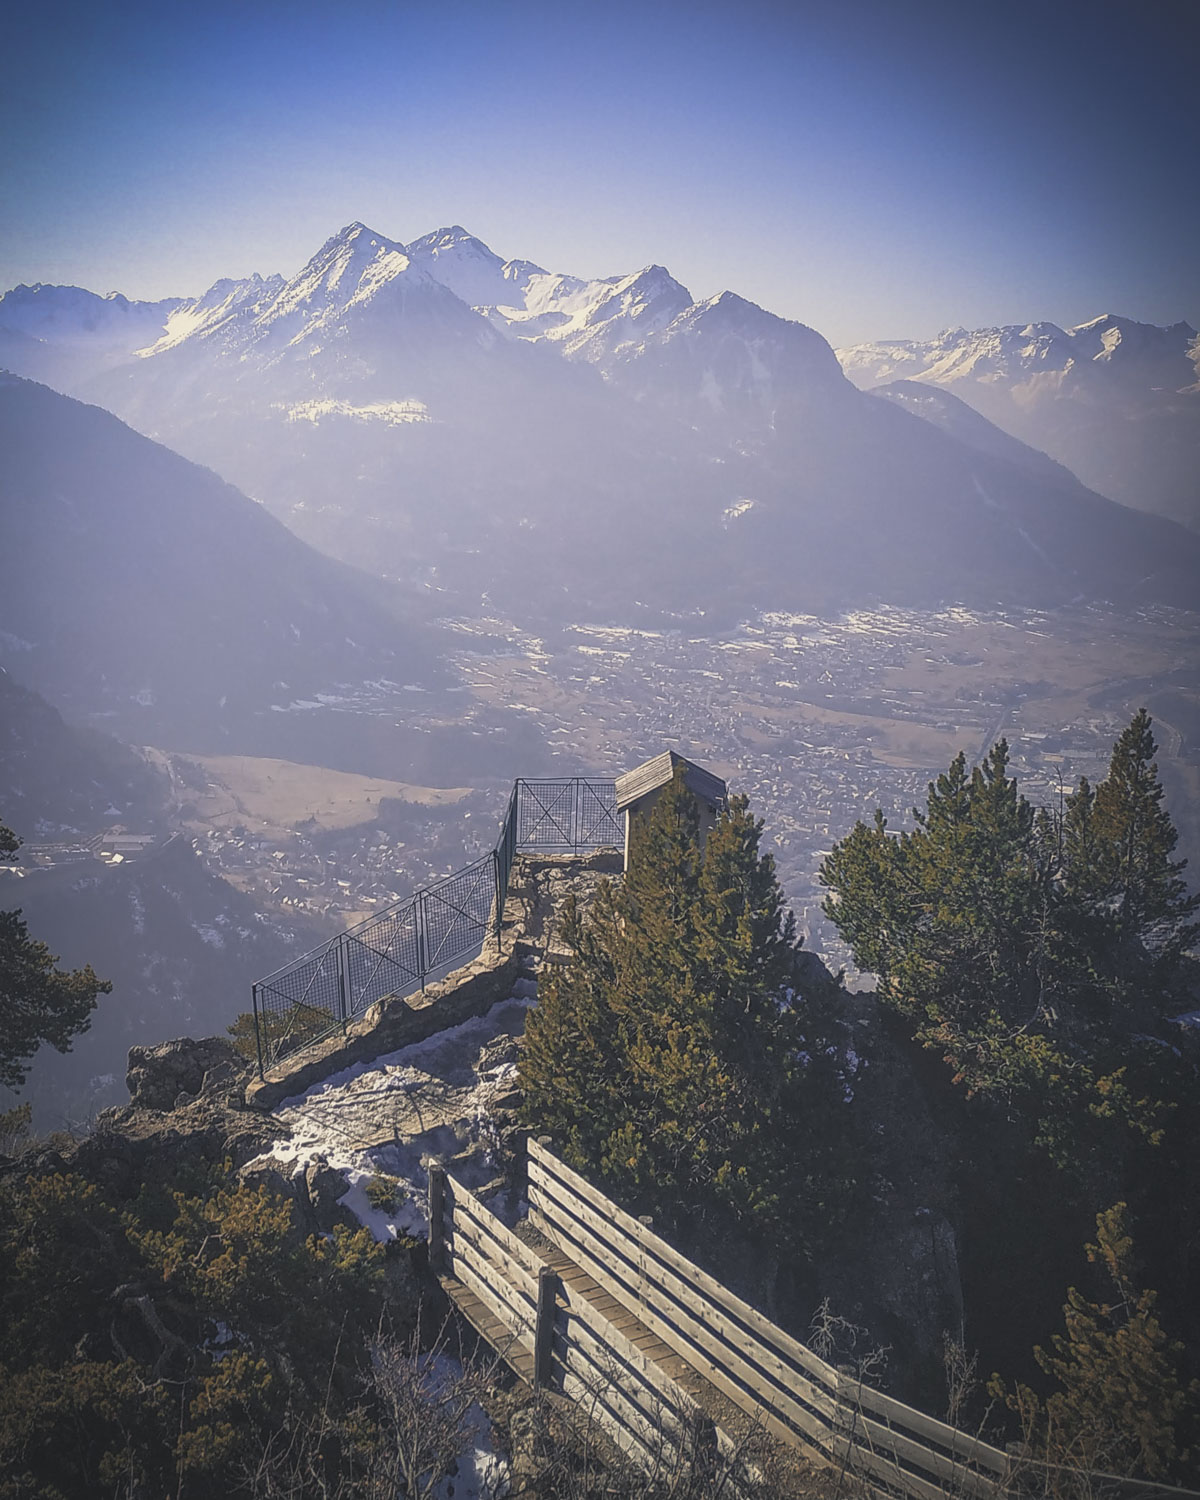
x=395 y=952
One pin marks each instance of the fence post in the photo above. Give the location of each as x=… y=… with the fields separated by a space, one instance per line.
x=419 y=909
x=437 y=1216
x=257 y=1027
x=343 y=979
x=499 y=894
x=543 y=1338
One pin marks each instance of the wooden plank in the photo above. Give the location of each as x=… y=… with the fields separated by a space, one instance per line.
x=611 y=1422
x=464 y=1259
x=692 y=1341
x=739 y=1352
x=956 y=1478
x=462 y=1254
x=519 y=1324
x=663 y=1430
x=694 y=1277
x=896 y=1414
x=968 y=1449
x=887 y=1470
x=806 y=1427
x=588 y=1323
x=483 y=1236
x=518 y=1250
x=649 y=1414
x=489 y=1327
x=686 y=1350
x=1112 y=1484
x=547 y=1313
x=437 y=1208
x=469 y=1232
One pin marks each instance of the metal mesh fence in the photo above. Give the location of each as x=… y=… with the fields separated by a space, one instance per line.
x=396 y=951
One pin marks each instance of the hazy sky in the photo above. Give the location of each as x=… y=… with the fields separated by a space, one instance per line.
x=876 y=168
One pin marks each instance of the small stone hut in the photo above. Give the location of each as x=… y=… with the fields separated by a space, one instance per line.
x=638 y=790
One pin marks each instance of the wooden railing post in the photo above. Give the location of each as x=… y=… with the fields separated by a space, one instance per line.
x=437 y=1216
x=543 y=1337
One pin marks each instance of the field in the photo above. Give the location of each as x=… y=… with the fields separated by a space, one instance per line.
x=273 y=797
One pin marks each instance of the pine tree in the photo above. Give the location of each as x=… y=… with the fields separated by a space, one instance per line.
x=1042 y=955
x=674 y=1057
x=38 y=1003
x=1120 y=1406
x=1129 y=875
x=947 y=916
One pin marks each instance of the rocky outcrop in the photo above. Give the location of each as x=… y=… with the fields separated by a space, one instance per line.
x=159 y=1077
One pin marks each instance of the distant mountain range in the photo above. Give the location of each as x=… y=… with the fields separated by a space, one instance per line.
x=1118 y=402
x=147 y=592
x=486 y=430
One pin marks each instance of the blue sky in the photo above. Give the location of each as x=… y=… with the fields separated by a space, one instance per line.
x=876 y=168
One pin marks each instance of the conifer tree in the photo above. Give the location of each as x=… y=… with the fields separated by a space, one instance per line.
x=1128 y=874
x=1042 y=955
x=38 y=1003
x=1120 y=1406
x=675 y=1057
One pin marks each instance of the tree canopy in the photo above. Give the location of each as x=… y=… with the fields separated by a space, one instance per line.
x=1043 y=953
x=679 y=1056
x=38 y=1002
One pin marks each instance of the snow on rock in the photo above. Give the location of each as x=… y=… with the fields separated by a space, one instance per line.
x=214 y=307
x=468 y=268
x=434 y=1099
x=72 y=315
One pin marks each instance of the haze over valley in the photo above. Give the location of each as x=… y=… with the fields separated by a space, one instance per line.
x=420 y=516
x=599 y=751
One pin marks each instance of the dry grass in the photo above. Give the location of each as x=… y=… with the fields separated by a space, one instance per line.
x=275 y=796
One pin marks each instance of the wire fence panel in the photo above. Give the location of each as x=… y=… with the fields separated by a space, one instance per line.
x=383 y=957
x=506 y=846
x=572 y=814
x=458 y=913
x=299 y=1003
x=545 y=814
x=394 y=952
x=598 y=824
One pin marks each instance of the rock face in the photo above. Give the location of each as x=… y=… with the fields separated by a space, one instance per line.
x=169 y=1074
x=899 y=1280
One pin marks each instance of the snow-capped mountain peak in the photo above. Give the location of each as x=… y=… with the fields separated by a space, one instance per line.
x=353 y=260
x=472 y=270
x=69 y=315
x=1096 y=397
x=590 y=320
x=223 y=300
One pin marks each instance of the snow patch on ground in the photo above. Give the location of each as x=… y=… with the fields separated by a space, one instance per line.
x=393 y=1115
x=481 y=1472
x=738 y=508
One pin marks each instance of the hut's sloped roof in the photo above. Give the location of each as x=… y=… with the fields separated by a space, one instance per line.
x=655 y=773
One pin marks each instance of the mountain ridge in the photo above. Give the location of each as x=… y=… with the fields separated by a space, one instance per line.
x=148 y=590
x=466 y=447
x=1115 y=400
